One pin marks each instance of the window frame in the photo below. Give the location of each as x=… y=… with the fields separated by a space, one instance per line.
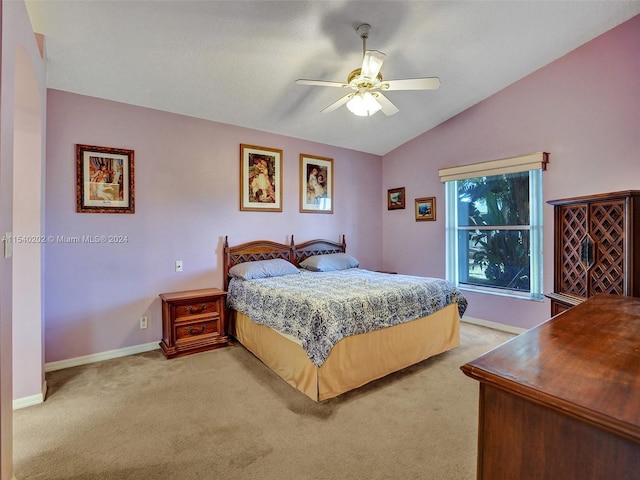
x=535 y=226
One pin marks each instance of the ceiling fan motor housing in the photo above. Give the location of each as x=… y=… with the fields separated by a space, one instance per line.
x=357 y=72
x=363 y=30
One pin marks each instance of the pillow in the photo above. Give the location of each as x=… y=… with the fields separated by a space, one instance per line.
x=262 y=269
x=329 y=262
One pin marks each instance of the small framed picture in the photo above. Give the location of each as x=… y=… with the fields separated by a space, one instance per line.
x=395 y=198
x=260 y=179
x=316 y=184
x=425 y=208
x=104 y=180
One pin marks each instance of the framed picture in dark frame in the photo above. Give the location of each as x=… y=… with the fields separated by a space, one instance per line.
x=395 y=198
x=104 y=180
x=425 y=209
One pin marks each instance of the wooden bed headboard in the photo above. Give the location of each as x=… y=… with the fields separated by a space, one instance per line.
x=252 y=252
x=268 y=250
x=317 y=247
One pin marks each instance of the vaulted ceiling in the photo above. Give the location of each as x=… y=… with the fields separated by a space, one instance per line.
x=236 y=61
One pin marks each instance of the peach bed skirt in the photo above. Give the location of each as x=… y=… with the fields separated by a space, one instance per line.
x=355 y=360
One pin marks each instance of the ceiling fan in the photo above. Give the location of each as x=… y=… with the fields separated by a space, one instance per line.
x=367 y=84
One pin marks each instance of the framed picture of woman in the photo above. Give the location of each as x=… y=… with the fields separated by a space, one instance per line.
x=260 y=179
x=316 y=184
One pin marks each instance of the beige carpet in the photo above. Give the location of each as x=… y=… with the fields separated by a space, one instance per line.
x=224 y=415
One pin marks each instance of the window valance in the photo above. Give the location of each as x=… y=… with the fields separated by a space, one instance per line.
x=522 y=163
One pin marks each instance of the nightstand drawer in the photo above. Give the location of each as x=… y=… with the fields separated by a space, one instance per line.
x=189 y=332
x=196 y=308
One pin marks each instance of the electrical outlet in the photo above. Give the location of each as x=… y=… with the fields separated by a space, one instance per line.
x=178 y=265
x=143 y=322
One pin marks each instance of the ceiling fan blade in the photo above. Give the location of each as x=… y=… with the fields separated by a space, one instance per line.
x=338 y=103
x=372 y=63
x=388 y=108
x=320 y=83
x=426 y=83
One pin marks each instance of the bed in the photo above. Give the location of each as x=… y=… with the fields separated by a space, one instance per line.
x=394 y=321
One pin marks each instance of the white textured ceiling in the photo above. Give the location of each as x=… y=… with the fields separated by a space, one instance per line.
x=236 y=61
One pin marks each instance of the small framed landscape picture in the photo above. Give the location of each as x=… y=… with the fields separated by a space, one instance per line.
x=316 y=184
x=395 y=198
x=104 y=180
x=425 y=208
x=260 y=179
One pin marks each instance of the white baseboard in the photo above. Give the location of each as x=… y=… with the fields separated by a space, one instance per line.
x=496 y=326
x=98 y=357
x=31 y=400
x=74 y=362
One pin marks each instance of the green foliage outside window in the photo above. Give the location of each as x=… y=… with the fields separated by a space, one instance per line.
x=499 y=251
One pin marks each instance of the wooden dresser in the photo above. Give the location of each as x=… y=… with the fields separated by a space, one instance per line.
x=596 y=247
x=562 y=400
x=193 y=321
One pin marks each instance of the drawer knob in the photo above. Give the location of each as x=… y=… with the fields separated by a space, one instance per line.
x=197 y=331
x=200 y=310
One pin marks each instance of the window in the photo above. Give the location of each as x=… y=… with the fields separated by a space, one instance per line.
x=494 y=227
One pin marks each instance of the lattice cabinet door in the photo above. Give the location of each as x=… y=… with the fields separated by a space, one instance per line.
x=607 y=225
x=571 y=273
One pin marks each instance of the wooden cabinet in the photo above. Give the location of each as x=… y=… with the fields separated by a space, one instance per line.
x=562 y=400
x=193 y=321
x=596 y=247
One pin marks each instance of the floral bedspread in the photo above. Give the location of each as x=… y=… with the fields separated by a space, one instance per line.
x=321 y=308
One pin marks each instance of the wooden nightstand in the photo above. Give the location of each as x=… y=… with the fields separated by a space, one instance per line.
x=193 y=321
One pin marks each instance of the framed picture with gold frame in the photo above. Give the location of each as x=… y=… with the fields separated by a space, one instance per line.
x=260 y=179
x=316 y=184
x=395 y=198
x=425 y=209
x=104 y=180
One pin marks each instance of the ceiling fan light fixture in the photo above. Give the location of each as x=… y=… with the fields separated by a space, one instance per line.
x=363 y=104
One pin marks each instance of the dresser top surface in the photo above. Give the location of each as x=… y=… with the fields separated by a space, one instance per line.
x=585 y=361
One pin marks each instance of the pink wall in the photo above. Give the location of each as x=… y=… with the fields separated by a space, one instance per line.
x=186 y=201
x=28 y=220
x=584 y=109
x=22 y=90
